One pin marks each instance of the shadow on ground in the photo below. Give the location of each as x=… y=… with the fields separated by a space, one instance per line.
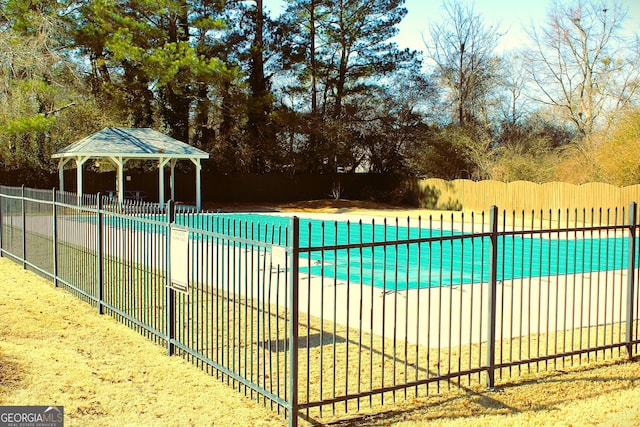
x=549 y=394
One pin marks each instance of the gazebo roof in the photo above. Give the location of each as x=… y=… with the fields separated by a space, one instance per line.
x=131 y=143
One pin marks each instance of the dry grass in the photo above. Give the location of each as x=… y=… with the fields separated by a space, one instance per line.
x=56 y=349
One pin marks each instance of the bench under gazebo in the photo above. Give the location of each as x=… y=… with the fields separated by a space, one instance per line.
x=119 y=145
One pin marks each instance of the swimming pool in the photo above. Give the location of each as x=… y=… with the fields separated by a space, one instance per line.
x=398 y=257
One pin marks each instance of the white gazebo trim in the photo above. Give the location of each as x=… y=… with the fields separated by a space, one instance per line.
x=119 y=145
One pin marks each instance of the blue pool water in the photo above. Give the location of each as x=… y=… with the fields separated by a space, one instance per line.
x=459 y=259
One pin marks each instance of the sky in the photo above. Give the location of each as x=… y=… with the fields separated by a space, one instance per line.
x=509 y=15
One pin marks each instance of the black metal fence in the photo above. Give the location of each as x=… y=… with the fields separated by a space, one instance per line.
x=317 y=318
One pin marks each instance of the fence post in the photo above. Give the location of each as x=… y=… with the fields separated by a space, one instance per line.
x=631 y=272
x=171 y=295
x=54 y=211
x=491 y=321
x=100 y=242
x=1 y=225
x=24 y=229
x=293 y=326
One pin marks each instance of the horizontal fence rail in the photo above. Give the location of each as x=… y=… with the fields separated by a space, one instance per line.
x=317 y=318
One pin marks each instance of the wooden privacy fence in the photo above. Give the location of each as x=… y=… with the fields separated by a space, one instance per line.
x=463 y=194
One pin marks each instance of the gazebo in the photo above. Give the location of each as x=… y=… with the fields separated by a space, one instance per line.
x=119 y=145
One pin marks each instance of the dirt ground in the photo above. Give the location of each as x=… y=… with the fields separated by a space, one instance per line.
x=57 y=350
x=329 y=206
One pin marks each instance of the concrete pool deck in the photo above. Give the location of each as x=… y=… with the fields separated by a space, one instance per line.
x=448 y=316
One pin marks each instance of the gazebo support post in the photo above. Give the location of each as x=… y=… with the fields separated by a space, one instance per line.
x=161 y=165
x=61 y=165
x=80 y=161
x=172 y=180
x=196 y=162
x=119 y=163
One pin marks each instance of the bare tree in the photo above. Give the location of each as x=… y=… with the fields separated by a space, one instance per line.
x=581 y=64
x=513 y=86
x=462 y=48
